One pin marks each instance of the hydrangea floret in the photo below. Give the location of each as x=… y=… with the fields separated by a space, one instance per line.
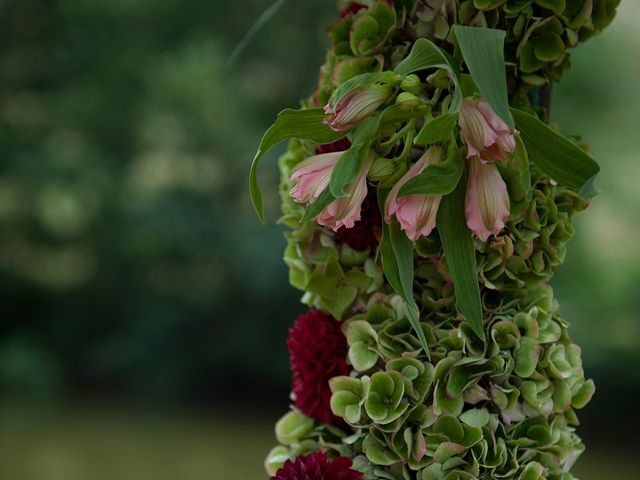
x=429 y=203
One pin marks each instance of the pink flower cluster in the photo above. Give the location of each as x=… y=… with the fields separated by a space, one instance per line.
x=488 y=138
x=312 y=176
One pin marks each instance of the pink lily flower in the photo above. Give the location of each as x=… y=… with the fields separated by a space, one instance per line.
x=415 y=213
x=356 y=106
x=312 y=176
x=486 y=135
x=345 y=212
x=487 y=200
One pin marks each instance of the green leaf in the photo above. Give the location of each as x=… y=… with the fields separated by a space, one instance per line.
x=305 y=124
x=394 y=114
x=476 y=417
x=437 y=179
x=460 y=255
x=437 y=130
x=556 y=156
x=483 y=52
x=346 y=169
x=397 y=263
x=314 y=209
x=292 y=427
x=557 y=6
x=549 y=47
x=426 y=54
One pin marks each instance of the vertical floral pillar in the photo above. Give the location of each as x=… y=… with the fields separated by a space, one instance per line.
x=429 y=204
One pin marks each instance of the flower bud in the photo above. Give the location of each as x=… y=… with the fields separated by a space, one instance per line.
x=312 y=176
x=486 y=135
x=407 y=101
x=412 y=84
x=356 y=106
x=487 y=200
x=346 y=211
x=381 y=169
x=439 y=79
x=416 y=214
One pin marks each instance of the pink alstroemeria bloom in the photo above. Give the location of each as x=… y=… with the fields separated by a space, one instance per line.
x=312 y=176
x=415 y=213
x=487 y=201
x=356 y=106
x=486 y=135
x=345 y=212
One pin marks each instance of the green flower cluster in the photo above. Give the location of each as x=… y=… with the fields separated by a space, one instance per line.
x=539 y=34
x=499 y=405
x=504 y=409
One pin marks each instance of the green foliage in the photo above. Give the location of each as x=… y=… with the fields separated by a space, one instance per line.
x=483 y=52
x=439 y=179
x=460 y=257
x=561 y=159
x=397 y=262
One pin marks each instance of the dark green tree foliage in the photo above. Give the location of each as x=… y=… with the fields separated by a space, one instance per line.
x=127 y=259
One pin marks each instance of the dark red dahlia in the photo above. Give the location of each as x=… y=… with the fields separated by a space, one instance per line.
x=316 y=466
x=365 y=233
x=338 y=146
x=318 y=352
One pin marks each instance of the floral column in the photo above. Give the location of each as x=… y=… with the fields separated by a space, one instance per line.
x=428 y=205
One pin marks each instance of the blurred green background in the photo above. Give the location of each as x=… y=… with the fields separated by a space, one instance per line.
x=145 y=309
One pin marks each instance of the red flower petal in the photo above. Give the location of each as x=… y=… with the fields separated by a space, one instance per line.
x=316 y=466
x=318 y=352
x=365 y=233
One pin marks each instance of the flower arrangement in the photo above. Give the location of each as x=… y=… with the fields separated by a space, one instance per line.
x=429 y=203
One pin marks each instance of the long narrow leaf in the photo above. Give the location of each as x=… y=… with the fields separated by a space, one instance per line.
x=483 y=52
x=304 y=124
x=437 y=130
x=557 y=156
x=313 y=210
x=397 y=263
x=460 y=256
x=349 y=164
x=389 y=262
x=437 y=179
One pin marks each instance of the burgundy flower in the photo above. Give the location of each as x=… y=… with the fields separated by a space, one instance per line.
x=316 y=466
x=338 y=146
x=318 y=352
x=365 y=233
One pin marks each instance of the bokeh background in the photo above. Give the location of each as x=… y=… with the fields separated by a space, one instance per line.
x=144 y=309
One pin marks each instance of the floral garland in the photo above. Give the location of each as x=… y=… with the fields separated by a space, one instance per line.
x=429 y=204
